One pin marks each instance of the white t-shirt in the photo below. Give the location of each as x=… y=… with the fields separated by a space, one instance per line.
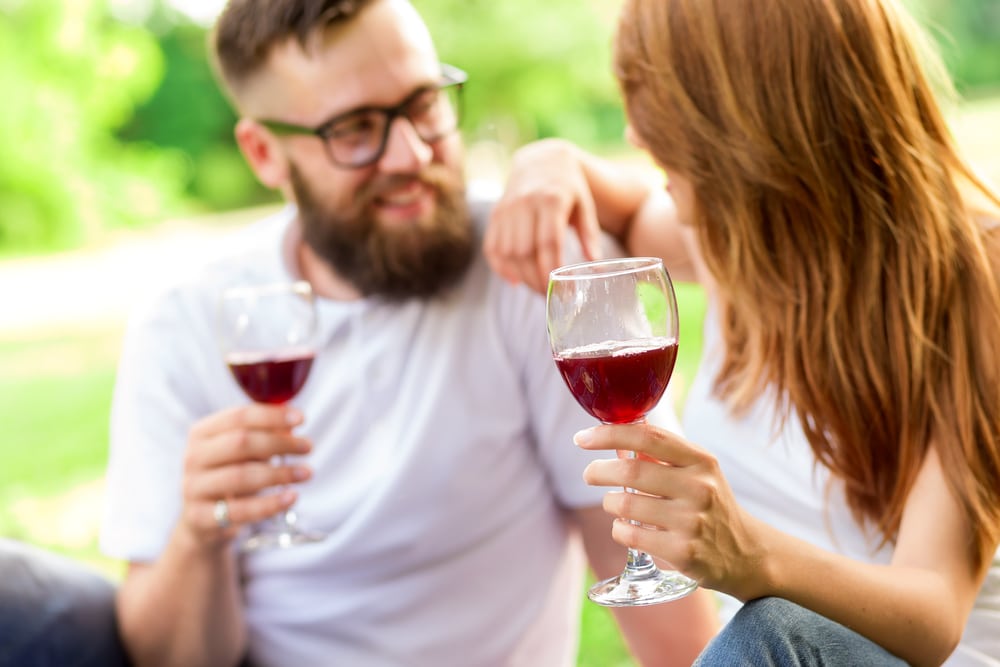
x=772 y=474
x=442 y=461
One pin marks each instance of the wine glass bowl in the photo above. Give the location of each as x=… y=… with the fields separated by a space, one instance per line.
x=267 y=334
x=613 y=330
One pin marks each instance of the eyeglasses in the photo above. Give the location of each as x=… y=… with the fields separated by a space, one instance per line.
x=358 y=138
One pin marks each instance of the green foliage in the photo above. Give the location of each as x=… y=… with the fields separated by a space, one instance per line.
x=536 y=69
x=107 y=123
x=967 y=33
x=189 y=113
x=70 y=77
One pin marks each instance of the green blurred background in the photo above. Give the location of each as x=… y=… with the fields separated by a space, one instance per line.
x=117 y=162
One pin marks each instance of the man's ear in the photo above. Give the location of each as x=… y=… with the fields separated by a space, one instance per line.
x=262 y=153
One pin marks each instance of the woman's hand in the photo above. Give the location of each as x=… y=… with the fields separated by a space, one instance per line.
x=689 y=516
x=228 y=457
x=547 y=191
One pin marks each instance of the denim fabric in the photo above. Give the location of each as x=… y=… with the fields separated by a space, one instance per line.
x=771 y=632
x=55 y=612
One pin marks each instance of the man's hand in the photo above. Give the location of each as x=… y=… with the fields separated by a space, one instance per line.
x=547 y=191
x=228 y=458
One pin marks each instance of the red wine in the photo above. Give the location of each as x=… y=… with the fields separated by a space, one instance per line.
x=619 y=382
x=274 y=379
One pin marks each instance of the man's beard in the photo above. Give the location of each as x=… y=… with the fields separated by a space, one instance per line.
x=398 y=262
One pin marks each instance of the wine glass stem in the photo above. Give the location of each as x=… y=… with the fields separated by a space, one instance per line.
x=638 y=564
x=284 y=520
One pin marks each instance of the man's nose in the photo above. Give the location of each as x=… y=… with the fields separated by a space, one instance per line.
x=405 y=151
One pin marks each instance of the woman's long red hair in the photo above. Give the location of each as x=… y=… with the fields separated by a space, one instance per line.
x=856 y=279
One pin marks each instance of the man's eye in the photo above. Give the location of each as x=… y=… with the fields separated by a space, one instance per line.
x=354 y=128
x=425 y=103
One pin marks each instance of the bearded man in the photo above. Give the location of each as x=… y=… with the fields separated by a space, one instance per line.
x=440 y=465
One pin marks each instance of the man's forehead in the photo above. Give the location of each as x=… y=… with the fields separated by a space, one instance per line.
x=377 y=58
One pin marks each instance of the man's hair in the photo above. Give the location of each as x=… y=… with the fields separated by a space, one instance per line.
x=247 y=30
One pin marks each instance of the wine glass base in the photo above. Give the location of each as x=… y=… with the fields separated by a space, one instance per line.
x=653 y=588
x=281 y=540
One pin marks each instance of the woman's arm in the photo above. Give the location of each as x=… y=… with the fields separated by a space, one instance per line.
x=554 y=185
x=915 y=607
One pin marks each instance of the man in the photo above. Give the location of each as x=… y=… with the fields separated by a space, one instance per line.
x=438 y=433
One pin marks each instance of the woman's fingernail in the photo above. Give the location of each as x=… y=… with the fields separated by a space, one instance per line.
x=584 y=437
x=293 y=417
x=301 y=472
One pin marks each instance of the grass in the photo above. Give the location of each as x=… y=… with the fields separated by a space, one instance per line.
x=55 y=395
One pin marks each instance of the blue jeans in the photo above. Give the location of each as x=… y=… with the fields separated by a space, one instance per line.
x=55 y=612
x=771 y=632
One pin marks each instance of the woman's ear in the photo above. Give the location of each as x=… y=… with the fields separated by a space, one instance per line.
x=262 y=153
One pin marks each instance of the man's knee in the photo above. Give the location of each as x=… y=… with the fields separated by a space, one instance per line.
x=54 y=611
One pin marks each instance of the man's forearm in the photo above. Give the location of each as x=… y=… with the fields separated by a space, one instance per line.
x=185 y=609
x=673 y=633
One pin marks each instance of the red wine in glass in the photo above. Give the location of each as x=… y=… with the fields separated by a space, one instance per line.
x=619 y=382
x=268 y=338
x=274 y=380
x=613 y=329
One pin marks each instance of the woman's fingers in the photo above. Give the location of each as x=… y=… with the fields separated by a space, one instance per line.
x=546 y=192
x=653 y=441
x=672 y=549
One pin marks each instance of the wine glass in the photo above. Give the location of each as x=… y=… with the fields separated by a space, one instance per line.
x=268 y=339
x=613 y=329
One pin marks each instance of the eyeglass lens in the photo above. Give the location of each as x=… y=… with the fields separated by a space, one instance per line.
x=360 y=138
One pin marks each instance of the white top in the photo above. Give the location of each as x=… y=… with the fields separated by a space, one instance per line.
x=442 y=464
x=772 y=474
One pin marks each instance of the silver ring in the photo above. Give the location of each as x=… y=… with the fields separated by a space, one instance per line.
x=221 y=514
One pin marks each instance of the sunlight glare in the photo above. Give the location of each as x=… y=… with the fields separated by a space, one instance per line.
x=203 y=12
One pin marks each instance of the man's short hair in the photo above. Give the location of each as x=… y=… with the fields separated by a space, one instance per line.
x=247 y=30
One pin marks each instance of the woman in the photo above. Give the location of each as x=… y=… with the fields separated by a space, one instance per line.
x=841 y=466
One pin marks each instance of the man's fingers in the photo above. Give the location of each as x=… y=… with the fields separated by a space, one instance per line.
x=252 y=416
x=242 y=480
x=240 y=512
x=241 y=445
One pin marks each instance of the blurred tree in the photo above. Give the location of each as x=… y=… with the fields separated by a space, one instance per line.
x=967 y=33
x=110 y=121
x=535 y=68
x=189 y=113
x=70 y=76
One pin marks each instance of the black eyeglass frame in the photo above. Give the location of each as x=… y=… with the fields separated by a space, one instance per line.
x=451 y=77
